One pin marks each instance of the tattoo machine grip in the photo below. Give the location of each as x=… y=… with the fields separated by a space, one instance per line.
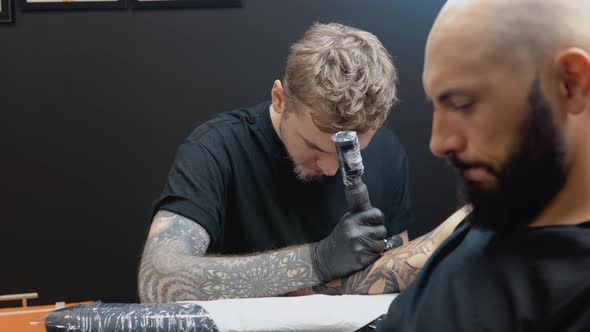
x=357 y=197
x=351 y=167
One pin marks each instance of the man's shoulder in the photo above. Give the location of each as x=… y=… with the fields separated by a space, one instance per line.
x=386 y=149
x=386 y=138
x=228 y=126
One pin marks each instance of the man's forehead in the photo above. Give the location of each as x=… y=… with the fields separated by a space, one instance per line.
x=458 y=37
x=454 y=72
x=469 y=66
x=313 y=121
x=452 y=63
x=323 y=141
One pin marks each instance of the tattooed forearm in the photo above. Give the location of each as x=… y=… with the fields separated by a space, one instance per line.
x=397 y=269
x=391 y=273
x=174 y=268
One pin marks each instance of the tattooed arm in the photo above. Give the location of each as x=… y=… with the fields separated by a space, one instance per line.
x=397 y=269
x=173 y=266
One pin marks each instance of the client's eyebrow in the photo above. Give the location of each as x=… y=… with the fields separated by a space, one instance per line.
x=449 y=93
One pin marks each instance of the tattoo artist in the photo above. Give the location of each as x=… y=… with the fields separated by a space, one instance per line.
x=252 y=208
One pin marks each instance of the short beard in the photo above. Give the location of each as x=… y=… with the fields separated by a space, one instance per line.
x=530 y=179
x=298 y=170
x=302 y=176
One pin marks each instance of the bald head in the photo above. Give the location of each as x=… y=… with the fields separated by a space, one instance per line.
x=527 y=37
x=520 y=32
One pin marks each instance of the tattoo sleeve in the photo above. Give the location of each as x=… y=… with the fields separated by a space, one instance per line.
x=174 y=266
x=396 y=269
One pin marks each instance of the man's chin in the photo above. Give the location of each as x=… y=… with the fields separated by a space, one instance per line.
x=305 y=176
x=480 y=187
x=490 y=210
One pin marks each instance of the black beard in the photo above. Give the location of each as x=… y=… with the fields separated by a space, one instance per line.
x=529 y=179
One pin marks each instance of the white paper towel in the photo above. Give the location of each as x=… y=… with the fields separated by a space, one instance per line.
x=323 y=313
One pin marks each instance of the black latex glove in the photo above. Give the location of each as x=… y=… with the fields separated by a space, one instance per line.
x=354 y=243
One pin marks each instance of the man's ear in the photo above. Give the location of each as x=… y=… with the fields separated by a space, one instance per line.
x=278 y=97
x=573 y=65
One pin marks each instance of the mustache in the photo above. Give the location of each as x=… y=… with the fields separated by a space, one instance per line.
x=464 y=165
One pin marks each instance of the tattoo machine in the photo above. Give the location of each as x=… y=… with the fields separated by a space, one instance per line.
x=352 y=168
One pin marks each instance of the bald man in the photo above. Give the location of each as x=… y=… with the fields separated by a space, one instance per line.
x=510 y=85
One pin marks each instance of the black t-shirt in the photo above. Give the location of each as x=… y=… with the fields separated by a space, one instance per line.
x=532 y=279
x=233 y=176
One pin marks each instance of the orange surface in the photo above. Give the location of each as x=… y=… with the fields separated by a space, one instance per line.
x=19 y=319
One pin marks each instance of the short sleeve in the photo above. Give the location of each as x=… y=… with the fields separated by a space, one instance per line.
x=196 y=186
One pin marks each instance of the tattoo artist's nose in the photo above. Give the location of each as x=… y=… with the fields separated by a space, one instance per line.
x=445 y=139
x=328 y=163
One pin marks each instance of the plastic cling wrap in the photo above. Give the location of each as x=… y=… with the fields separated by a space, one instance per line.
x=101 y=317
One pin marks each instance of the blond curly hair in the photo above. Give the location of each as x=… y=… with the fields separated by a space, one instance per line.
x=344 y=75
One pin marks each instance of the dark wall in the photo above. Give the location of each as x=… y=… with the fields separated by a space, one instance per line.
x=94 y=104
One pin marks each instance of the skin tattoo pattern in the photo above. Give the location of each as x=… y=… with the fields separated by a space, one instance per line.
x=393 y=272
x=396 y=269
x=174 y=267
